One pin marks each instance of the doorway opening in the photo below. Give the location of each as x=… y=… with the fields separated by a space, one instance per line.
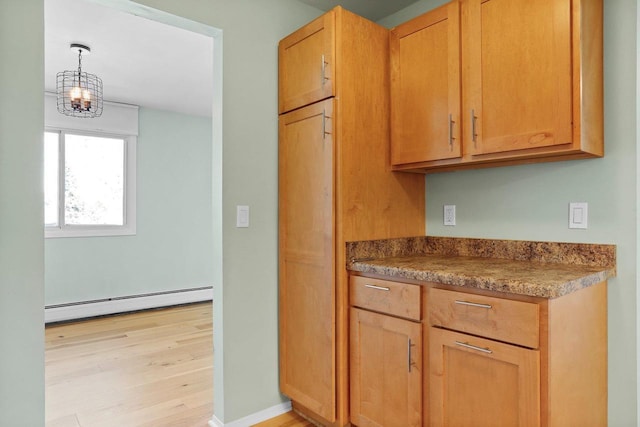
x=89 y=257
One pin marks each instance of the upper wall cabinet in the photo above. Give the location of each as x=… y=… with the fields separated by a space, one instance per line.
x=425 y=87
x=530 y=84
x=306 y=64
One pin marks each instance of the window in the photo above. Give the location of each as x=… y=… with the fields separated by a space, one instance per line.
x=89 y=184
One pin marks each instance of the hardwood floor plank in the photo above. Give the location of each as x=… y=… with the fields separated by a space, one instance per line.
x=290 y=419
x=66 y=421
x=153 y=368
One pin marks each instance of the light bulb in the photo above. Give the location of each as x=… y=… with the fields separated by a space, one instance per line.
x=75 y=94
x=86 y=99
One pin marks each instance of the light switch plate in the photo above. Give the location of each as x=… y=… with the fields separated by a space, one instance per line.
x=242 y=216
x=578 y=214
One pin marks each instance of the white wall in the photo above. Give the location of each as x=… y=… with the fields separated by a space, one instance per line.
x=21 y=214
x=531 y=202
x=173 y=246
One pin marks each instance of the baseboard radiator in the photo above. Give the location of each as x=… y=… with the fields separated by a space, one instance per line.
x=123 y=304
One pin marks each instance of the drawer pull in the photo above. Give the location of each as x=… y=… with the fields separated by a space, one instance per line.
x=378 y=288
x=473 y=347
x=474 y=304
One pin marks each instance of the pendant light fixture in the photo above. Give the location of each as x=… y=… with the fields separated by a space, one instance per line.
x=79 y=93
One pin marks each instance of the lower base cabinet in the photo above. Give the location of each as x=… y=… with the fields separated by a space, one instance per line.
x=386 y=366
x=490 y=359
x=506 y=360
x=482 y=383
x=386 y=370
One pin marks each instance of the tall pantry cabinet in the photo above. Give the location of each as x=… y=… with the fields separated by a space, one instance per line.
x=334 y=186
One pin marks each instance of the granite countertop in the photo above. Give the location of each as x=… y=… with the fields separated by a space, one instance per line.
x=539 y=269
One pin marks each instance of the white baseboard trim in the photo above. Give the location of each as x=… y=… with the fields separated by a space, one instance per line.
x=81 y=310
x=255 y=418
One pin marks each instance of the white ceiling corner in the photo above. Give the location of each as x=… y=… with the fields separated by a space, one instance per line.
x=140 y=61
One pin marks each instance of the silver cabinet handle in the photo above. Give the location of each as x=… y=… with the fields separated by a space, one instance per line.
x=474 y=304
x=323 y=76
x=473 y=347
x=324 y=124
x=409 y=345
x=378 y=288
x=474 y=134
x=451 y=138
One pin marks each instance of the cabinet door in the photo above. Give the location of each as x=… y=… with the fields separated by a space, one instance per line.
x=425 y=87
x=306 y=67
x=476 y=382
x=386 y=370
x=307 y=259
x=517 y=84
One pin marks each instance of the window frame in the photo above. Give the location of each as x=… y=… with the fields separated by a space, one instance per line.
x=62 y=230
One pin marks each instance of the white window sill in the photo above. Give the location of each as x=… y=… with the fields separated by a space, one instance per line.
x=88 y=231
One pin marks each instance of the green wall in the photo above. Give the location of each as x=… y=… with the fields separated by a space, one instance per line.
x=531 y=202
x=21 y=214
x=173 y=245
x=245 y=173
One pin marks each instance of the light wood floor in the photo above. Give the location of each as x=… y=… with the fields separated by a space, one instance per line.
x=153 y=368
x=290 y=419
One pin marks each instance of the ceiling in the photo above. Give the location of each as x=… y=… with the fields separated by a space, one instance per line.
x=147 y=63
x=370 y=9
x=140 y=61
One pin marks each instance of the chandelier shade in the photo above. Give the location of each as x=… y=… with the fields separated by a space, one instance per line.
x=79 y=94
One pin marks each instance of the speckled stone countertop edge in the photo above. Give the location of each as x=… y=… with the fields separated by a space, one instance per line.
x=602 y=255
x=539 y=269
x=519 y=287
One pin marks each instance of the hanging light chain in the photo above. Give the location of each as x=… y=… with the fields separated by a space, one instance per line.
x=79 y=68
x=79 y=62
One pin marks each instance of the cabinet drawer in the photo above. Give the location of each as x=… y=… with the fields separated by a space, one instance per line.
x=398 y=299
x=501 y=319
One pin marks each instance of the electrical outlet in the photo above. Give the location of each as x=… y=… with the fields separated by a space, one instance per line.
x=449 y=217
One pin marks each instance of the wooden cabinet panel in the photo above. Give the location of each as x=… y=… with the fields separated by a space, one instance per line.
x=576 y=374
x=398 y=299
x=517 y=81
x=501 y=319
x=307 y=263
x=386 y=370
x=306 y=64
x=476 y=382
x=425 y=87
